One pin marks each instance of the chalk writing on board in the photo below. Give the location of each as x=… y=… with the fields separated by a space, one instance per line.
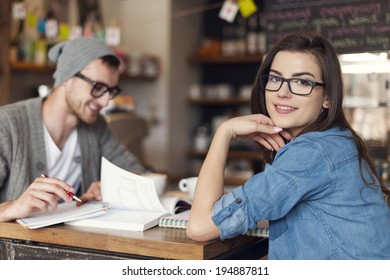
x=351 y=26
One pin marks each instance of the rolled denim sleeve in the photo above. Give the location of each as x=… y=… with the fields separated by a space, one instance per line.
x=229 y=214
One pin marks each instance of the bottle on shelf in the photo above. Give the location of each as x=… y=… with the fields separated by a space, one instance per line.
x=202 y=139
x=234 y=38
x=40 y=52
x=261 y=37
x=251 y=36
x=227 y=40
x=240 y=41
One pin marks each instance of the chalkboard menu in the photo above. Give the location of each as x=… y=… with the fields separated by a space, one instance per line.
x=352 y=26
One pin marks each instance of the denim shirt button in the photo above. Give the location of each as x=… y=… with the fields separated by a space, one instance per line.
x=238 y=200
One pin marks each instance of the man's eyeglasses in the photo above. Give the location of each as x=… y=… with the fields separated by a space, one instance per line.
x=99 y=89
x=295 y=85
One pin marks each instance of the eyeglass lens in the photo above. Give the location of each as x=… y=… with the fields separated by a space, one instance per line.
x=100 y=89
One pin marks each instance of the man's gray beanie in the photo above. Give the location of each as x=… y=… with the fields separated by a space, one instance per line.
x=74 y=55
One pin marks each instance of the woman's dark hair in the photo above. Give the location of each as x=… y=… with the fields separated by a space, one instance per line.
x=315 y=44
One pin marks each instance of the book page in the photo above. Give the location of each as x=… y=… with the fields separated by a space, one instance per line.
x=175 y=204
x=125 y=190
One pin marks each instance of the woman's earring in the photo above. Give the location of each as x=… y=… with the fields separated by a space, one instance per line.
x=326 y=105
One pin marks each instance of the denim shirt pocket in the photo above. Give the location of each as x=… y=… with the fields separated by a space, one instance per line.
x=278 y=228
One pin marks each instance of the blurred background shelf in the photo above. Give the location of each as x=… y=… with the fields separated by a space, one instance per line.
x=31 y=67
x=48 y=68
x=206 y=101
x=226 y=59
x=233 y=154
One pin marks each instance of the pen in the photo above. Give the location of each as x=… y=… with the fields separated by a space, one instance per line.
x=69 y=193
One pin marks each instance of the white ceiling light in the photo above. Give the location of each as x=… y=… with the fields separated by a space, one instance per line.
x=365 y=63
x=366 y=68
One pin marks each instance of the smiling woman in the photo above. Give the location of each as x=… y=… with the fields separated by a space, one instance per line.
x=319 y=178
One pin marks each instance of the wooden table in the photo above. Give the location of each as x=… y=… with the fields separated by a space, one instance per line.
x=71 y=242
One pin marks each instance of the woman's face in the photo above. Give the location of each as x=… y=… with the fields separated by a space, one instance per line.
x=290 y=111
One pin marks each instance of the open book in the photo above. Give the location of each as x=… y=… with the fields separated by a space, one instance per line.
x=134 y=203
x=65 y=212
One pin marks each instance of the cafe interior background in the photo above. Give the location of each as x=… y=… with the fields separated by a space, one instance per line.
x=189 y=65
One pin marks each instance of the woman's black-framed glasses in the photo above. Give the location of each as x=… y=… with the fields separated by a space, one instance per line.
x=99 y=89
x=296 y=86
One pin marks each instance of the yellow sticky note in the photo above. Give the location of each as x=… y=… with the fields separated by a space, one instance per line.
x=31 y=20
x=247 y=7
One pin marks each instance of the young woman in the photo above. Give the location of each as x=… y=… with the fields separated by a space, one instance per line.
x=319 y=190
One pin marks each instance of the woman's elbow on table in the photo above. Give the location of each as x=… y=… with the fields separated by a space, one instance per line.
x=202 y=231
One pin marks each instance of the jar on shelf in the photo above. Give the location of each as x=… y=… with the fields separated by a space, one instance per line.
x=202 y=139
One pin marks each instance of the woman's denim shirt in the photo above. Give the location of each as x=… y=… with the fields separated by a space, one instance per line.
x=316 y=202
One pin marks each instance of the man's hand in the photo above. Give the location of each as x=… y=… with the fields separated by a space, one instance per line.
x=42 y=194
x=93 y=193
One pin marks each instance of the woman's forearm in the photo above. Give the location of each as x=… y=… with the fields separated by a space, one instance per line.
x=209 y=188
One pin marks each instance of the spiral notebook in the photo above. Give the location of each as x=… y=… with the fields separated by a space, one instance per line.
x=180 y=221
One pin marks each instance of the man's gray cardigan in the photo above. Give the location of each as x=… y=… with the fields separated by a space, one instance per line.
x=23 y=154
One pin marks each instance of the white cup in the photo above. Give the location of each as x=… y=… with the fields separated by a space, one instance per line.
x=159 y=180
x=188 y=185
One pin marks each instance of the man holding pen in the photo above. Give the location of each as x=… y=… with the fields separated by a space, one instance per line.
x=62 y=136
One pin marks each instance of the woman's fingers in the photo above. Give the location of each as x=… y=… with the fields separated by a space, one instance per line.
x=286 y=134
x=269 y=142
x=259 y=128
x=261 y=140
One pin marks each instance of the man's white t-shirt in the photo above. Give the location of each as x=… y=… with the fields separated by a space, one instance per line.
x=64 y=164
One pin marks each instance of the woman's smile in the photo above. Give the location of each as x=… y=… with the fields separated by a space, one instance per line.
x=284 y=109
